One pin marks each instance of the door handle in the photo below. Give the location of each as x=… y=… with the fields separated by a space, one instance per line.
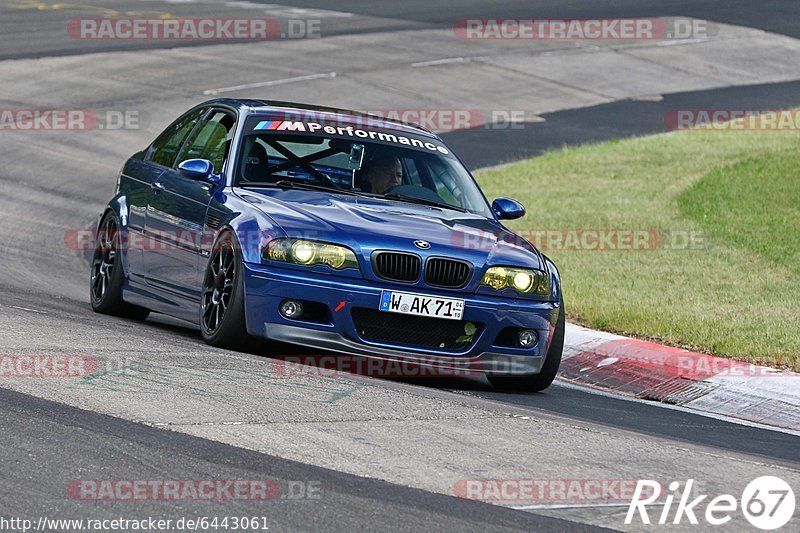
x=157 y=187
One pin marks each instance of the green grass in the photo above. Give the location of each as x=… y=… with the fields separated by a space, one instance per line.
x=754 y=205
x=737 y=294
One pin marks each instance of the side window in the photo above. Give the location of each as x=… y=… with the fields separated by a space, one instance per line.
x=410 y=171
x=166 y=147
x=211 y=140
x=446 y=186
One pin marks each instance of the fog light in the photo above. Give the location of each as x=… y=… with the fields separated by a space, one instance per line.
x=527 y=338
x=291 y=308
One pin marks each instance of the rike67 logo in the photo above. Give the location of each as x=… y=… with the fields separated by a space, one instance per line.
x=767 y=502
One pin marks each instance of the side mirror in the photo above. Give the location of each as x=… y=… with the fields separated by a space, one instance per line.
x=507 y=209
x=198 y=169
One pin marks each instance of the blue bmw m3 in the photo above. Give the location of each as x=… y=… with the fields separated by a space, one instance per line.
x=330 y=229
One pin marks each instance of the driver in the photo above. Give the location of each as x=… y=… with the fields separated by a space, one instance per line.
x=385 y=172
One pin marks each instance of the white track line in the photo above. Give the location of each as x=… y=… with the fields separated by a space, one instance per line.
x=574 y=505
x=271 y=83
x=435 y=62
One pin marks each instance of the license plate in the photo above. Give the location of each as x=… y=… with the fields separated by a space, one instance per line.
x=421 y=305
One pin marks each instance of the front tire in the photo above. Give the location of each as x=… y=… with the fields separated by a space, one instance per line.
x=542 y=380
x=107 y=276
x=222 y=320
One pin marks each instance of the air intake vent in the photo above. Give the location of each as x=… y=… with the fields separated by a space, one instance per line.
x=440 y=272
x=415 y=331
x=397 y=266
x=212 y=220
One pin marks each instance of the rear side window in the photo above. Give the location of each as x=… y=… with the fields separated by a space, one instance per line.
x=166 y=147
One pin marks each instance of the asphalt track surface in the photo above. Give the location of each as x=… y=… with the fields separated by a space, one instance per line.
x=604 y=122
x=68 y=439
x=43 y=307
x=777 y=16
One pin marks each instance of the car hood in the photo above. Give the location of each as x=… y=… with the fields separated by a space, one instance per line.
x=366 y=224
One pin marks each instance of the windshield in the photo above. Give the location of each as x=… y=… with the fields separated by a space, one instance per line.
x=383 y=163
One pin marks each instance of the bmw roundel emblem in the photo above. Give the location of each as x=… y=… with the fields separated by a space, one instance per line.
x=424 y=245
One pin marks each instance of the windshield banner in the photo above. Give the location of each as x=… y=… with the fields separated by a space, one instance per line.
x=351 y=131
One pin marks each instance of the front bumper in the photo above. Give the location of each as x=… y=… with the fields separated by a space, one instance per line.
x=266 y=287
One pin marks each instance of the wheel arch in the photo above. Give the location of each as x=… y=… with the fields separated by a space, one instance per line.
x=118 y=206
x=221 y=234
x=555 y=281
x=252 y=232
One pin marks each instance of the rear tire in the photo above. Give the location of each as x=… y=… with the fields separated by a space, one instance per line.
x=222 y=319
x=107 y=276
x=542 y=380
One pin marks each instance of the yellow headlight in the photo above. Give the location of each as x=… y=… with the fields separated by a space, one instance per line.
x=309 y=253
x=496 y=278
x=276 y=250
x=333 y=256
x=523 y=281
x=304 y=252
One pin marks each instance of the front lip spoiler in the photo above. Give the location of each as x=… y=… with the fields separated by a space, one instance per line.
x=486 y=362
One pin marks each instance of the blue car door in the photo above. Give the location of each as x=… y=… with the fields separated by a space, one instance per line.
x=138 y=177
x=135 y=181
x=176 y=212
